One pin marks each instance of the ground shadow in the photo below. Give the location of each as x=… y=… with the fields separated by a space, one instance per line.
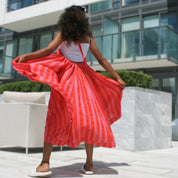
x=39 y=149
x=73 y=170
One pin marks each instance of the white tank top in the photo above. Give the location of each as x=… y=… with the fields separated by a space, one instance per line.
x=73 y=52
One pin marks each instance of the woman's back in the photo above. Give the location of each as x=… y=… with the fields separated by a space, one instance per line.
x=73 y=52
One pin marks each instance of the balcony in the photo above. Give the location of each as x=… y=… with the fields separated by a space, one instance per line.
x=147 y=48
x=26 y=15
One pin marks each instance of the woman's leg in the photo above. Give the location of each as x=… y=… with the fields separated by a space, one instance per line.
x=44 y=165
x=89 y=160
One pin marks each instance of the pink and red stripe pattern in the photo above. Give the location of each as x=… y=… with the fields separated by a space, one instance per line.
x=83 y=103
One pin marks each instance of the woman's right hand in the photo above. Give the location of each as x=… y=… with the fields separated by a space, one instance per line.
x=22 y=58
x=122 y=83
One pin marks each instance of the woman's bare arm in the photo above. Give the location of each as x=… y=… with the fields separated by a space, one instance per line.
x=102 y=61
x=44 y=51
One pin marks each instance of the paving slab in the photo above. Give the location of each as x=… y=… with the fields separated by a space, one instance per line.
x=108 y=163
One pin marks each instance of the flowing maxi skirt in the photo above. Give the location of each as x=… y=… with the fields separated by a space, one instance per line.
x=83 y=103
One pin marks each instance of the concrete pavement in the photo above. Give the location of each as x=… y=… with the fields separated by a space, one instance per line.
x=108 y=163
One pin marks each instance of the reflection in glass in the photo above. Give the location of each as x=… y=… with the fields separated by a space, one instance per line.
x=116 y=5
x=131 y=23
x=99 y=44
x=169 y=19
x=107 y=46
x=25 y=45
x=169 y=86
x=54 y=36
x=45 y=39
x=101 y=6
x=172 y=44
x=97 y=30
x=150 y=45
x=116 y=50
x=127 y=2
x=109 y=26
x=17 y=4
x=151 y=21
x=10 y=53
x=130 y=44
x=1 y=56
x=155 y=84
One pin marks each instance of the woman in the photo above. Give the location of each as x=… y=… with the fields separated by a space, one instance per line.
x=83 y=103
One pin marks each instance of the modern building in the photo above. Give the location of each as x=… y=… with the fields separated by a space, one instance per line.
x=140 y=35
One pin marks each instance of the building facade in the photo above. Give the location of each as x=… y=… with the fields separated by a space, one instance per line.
x=139 y=35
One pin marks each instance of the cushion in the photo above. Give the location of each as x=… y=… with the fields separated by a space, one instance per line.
x=33 y=97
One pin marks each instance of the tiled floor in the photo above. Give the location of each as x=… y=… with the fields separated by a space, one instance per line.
x=108 y=163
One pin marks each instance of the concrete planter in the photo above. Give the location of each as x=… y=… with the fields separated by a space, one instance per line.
x=146 y=120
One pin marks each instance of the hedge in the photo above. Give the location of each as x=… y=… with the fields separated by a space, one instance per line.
x=131 y=78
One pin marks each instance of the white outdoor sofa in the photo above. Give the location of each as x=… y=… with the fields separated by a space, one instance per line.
x=22 y=123
x=23 y=119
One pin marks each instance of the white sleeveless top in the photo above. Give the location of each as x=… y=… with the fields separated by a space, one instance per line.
x=73 y=52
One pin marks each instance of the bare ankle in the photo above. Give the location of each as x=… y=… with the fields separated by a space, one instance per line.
x=44 y=162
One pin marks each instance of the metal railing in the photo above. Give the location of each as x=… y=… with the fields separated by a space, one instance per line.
x=138 y=45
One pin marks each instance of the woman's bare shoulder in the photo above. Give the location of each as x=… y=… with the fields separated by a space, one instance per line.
x=85 y=39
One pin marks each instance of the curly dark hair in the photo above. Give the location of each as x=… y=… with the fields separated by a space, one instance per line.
x=74 y=24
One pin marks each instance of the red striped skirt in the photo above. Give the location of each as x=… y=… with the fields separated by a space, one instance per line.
x=83 y=103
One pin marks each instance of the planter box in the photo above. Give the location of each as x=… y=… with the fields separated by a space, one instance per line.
x=146 y=120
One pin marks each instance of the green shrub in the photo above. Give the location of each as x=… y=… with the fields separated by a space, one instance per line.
x=131 y=78
x=25 y=86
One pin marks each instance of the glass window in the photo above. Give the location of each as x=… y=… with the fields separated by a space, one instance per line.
x=1 y=56
x=131 y=23
x=151 y=21
x=25 y=45
x=107 y=46
x=45 y=39
x=169 y=86
x=58 y=46
x=127 y=2
x=10 y=53
x=17 y=4
x=99 y=43
x=155 y=84
x=97 y=30
x=150 y=41
x=130 y=44
x=116 y=47
x=109 y=26
x=116 y=5
x=2 y=30
x=101 y=6
x=13 y=5
x=169 y=19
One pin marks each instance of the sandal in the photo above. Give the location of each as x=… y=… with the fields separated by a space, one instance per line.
x=83 y=170
x=34 y=173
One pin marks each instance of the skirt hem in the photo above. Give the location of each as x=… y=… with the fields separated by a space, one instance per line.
x=75 y=145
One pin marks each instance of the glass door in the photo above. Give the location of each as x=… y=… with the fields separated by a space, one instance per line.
x=169 y=85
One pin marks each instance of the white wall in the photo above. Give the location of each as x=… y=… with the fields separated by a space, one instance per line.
x=35 y=16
